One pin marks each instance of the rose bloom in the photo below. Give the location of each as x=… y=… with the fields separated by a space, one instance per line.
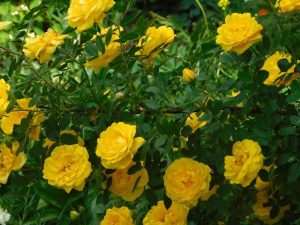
x=276 y=77
x=10 y=161
x=112 y=50
x=159 y=215
x=153 y=42
x=117 y=145
x=68 y=167
x=4 y=24
x=263 y=213
x=82 y=14
x=238 y=33
x=118 y=216
x=9 y=120
x=187 y=180
x=188 y=75
x=122 y=183
x=49 y=143
x=288 y=5
x=43 y=46
x=4 y=89
x=243 y=167
x=194 y=123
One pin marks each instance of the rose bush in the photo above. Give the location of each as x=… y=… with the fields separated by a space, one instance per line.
x=149 y=112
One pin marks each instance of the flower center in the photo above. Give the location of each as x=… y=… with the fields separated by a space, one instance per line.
x=239 y=161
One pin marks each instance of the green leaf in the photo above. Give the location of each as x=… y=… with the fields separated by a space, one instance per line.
x=136 y=183
x=160 y=141
x=68 y=139
x=294 y=172
x=293 y=97
x=151 y=104
x=34 y=101
x=137 y=167
x=91 y=49
x=286 y=131
x=186 y=131
x=167 y=202
x=263 y=175
x=108 y=36
x=274 y=211
x=284 y=65
x=99 y=44
x=295 y=120
x=50 y=194
x=124 y=37
x=130 y=18
x=10 y=106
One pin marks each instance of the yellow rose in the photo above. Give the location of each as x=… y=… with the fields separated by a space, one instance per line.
x=261 y=185
x=4 y=24
x=188 y=75
x=48 y=143
x=276 y=77
x=112 y=50
x=194 y=123
x=82 y=14
x=153 y=42
x=187 y=180
x=244 y=165
x=238 y=33
x=118 y=216
x=288 y=5
x=4 y=89
x=67 y=167
x=9 y=161
x=9 y=120
x=117 y=145
x=263 y=213
x=234 y=94
x=159 y=215
x=43 y=46
x=122 y=183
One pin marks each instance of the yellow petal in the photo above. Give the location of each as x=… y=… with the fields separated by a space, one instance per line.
x=19 y=161
x=137 y=143
x=3 y=179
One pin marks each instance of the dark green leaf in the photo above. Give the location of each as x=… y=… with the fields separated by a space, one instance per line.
x=294 y=172
x=284 y=65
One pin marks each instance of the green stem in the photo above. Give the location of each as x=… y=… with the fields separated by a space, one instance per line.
x=204 y=15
